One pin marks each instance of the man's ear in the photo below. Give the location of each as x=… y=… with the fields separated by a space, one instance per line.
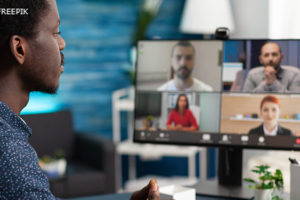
x=17 y=45
x=281 y=56
x=260 y=59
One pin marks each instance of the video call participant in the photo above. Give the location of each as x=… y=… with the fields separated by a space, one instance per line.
x=181 y=117
x=270 y=111
x=270 y=77
x=31 y=60
x=182 y=64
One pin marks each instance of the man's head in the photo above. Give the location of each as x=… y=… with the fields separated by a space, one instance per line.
x=182 y=102
x=270 y=109
x=183 y=59
x=30 y=45
x=271 y=55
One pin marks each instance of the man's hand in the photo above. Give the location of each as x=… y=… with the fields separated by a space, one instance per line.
x=270 y=75
x=150 y=192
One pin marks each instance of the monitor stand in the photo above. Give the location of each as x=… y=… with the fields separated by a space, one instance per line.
x=229 y=183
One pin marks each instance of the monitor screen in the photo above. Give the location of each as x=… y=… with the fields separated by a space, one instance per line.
x=242 y=93
x=229 y=71
x=148 y=104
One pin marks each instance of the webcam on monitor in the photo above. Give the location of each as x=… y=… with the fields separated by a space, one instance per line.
x=222 y=33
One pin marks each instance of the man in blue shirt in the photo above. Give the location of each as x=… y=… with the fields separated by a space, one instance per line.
x=31 y=60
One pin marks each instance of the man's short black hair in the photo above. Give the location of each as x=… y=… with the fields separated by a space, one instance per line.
x=182 y=43
x=22 y=25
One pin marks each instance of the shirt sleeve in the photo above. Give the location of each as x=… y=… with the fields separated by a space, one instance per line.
x=20 y=174
x=249 y=84
x=170 y=118
x=275 y=87
x=262 y=87
x=295 y=85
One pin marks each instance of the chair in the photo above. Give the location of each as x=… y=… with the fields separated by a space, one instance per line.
x=90 y=158
x=239 y=81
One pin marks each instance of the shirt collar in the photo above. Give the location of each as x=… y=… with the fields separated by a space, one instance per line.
x=272 y=133
x=13 y=120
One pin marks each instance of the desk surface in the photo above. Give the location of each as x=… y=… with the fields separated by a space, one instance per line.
x=126 y=196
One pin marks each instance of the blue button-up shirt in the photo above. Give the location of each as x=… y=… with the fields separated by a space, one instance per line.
x=20 y=174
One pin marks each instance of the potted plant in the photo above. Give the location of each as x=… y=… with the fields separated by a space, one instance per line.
x=150 y=120
x=54 y=166
x=269 y=186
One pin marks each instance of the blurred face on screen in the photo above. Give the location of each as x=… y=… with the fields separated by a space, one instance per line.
x=182 y=102
x=271 y=55
x=270 y=113
x=183 y=61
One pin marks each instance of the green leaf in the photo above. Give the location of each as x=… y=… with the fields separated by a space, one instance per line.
x=266 y=179
x=256 y=171
x=252 y=187
x=46 y=159
x=249 y=180
x=270 y=185
x=275 y=198
x=263 y=168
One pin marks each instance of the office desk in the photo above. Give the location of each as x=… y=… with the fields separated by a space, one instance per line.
x=126 y=196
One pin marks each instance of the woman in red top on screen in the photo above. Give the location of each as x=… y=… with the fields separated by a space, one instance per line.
x=181 y=117
x=270 y=111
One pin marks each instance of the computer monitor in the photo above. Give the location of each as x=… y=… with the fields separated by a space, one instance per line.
x=231 y=94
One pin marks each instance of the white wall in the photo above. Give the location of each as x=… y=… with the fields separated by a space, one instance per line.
x=210 y=112
x=251 y=18
x=284 y=19
x=263 y=19
x=209 y=62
